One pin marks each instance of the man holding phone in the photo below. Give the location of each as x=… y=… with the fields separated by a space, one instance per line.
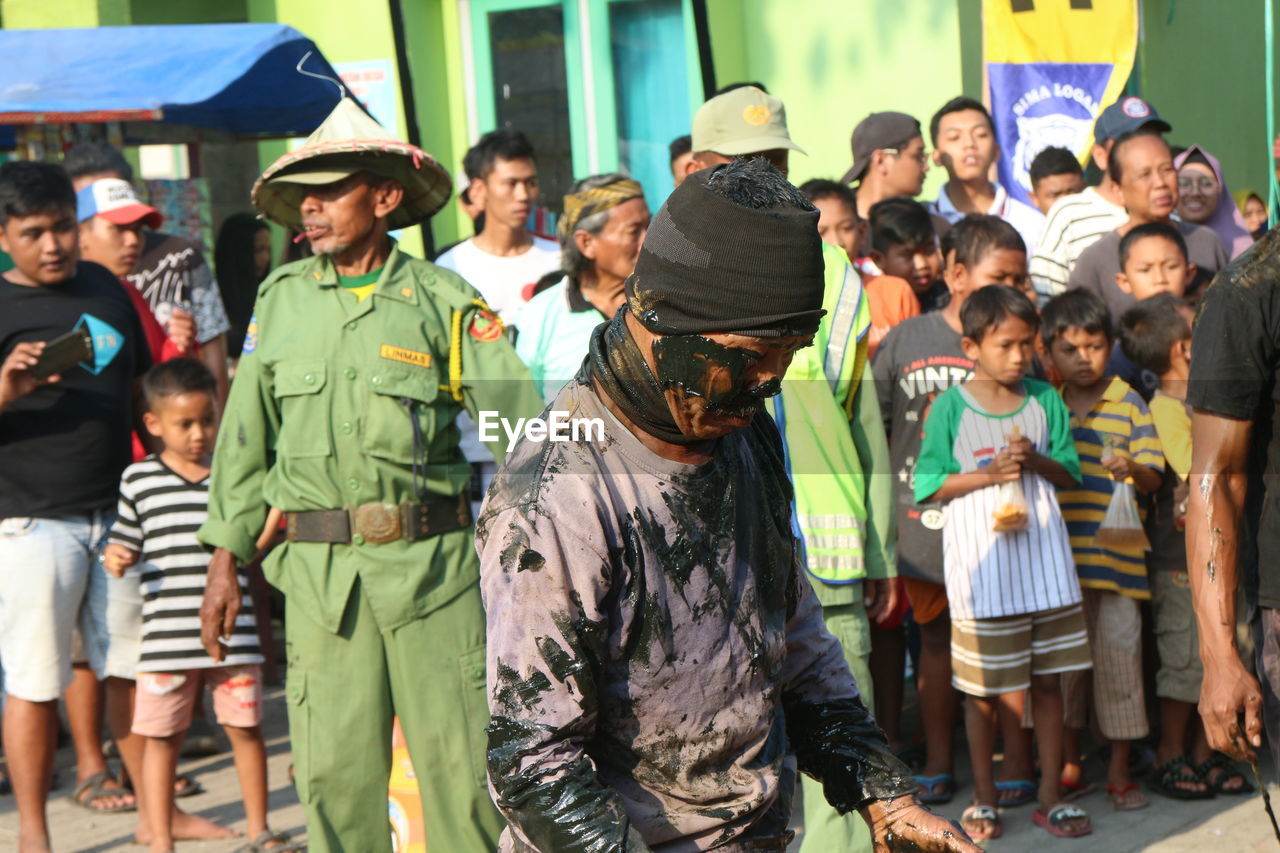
x=65 y=420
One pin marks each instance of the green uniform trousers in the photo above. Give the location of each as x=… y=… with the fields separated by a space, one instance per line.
x=343 y=690
x=825 y=829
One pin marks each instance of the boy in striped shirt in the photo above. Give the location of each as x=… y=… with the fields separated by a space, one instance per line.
x=163 y=501
x=1115 y=440
x=1016 y=620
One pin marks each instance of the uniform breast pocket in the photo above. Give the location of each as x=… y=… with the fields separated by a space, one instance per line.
x=304 y=415
x=402 y=401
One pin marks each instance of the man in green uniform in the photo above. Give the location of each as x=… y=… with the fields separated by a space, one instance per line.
x=342 y=416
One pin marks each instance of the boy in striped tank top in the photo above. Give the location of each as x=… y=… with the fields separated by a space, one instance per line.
x=1016 y=620
x=163 y=501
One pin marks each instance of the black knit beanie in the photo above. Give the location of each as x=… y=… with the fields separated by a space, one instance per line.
x=709 y=264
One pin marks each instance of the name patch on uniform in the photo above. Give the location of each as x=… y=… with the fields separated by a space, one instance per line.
x=408 y=356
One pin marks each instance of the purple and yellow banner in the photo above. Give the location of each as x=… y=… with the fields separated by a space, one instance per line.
x=1051 y=66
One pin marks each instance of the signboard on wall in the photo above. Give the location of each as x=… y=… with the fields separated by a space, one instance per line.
x=1051 y=67
x=373 y=83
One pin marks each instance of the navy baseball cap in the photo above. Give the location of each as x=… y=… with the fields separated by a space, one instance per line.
x=1126 y=115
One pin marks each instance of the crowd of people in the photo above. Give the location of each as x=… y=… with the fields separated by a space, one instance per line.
x=850 y=434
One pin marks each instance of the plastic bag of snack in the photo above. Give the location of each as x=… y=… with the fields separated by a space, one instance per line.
x=1121 y=527
x=1011 y=508
x=1011 y=505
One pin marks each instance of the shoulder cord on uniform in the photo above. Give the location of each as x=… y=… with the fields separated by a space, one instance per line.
x=455 y=349
x=420 y=450
x=455 y=357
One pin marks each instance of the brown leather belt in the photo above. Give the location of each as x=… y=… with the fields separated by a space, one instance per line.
x=378 y=523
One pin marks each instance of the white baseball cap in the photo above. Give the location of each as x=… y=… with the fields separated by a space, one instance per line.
x=115 y=201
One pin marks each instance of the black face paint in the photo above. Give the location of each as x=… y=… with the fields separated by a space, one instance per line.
x=699 y=367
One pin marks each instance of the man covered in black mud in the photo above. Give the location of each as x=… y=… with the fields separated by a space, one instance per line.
x=658 y=665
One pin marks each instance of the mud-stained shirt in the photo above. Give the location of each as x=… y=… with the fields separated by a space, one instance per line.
x=646 y=623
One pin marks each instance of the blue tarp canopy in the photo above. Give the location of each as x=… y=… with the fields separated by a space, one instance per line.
x=237 y=78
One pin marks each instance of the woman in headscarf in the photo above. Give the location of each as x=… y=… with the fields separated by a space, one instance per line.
x=1253 y=207
x=603 y=226
x=1203 y=199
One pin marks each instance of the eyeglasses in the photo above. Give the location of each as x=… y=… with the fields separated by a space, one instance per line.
x=1204 y=184
x=920 y=158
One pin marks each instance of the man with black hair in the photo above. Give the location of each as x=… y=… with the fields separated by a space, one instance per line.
x=1055 y=172
x=170 y=271
x=504 y=260
x=1076 y=222
x=1141 y=164
x=888 y=159
x=964 y=142
x=64 y=439
x=658 y=663
x=681 y=151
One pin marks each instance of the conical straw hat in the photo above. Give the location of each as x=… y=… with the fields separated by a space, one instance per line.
x=347 y=142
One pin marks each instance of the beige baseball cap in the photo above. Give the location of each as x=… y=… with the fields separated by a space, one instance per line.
x=742 y=121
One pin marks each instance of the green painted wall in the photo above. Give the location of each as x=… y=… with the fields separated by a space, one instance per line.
x=1202 y=65
x=189 y=11
x=42 y=14
x=832 y=63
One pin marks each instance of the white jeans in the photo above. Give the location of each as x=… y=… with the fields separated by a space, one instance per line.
x=45 y=568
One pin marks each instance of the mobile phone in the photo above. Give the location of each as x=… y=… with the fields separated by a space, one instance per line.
x=63 y=353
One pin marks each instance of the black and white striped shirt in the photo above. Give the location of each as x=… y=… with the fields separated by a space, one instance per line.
x=159 y=514
x=1075 y=223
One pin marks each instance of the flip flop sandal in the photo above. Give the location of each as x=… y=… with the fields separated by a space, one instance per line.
x=94 y=788
x=1229 y=771
x=928 y=783
x=987 y=813
x=1025 y=792
x=1060 y=814
x=190 y=789
x=1075 y=790
x=273 y=842
x=1123 y=803
x=1165 y=778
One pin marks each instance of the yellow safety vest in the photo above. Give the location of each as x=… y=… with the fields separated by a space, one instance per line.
x=813 y=414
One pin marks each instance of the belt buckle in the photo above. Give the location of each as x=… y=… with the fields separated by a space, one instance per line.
x=378 y=523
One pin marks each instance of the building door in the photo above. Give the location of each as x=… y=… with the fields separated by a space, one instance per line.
x=596 y=85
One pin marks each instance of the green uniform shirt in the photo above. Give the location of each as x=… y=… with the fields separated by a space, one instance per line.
x=319 y=417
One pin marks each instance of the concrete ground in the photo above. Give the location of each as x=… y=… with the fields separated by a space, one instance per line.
x=1222 y=825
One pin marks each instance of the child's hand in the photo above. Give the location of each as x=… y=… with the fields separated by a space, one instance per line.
x=1004 y=468
x=117 y=558
x=1121 y=467
x=1019 y=448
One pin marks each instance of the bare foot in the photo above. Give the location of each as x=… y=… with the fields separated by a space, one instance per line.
x=189 y=827
x=34 y=844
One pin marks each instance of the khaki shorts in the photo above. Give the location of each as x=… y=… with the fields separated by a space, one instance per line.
x=166 y=700
x=1177 y=640
x=994 y=656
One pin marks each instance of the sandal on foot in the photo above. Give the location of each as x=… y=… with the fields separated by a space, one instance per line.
x=1053 y=821
x=273 y=842
x=927 y=795
x=186 y=786
x=1127 y=797
x=1227 y=770
x=95 y=788
x=1070 y=790
x=1165 y=778
x=987 y=813
x=1023 y=790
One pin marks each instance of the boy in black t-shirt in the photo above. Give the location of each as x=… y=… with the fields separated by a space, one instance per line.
x=64 y=440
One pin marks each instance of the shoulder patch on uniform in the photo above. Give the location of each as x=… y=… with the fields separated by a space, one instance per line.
x=408 y=356
x=250 y=335
x=485 y=326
